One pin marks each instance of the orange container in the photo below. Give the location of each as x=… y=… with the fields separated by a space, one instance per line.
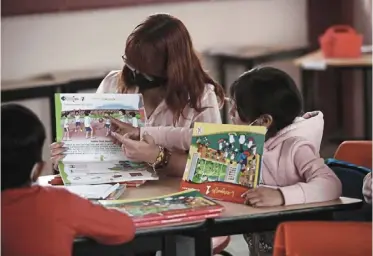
x=341 y=41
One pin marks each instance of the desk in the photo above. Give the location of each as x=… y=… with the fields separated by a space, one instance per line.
x=239 y=219
x=45 y=86
x=315 y=62
x=248 y=56
x=236 y=219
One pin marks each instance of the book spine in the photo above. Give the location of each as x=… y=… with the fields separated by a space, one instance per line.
x=169 y=216
x=184 y=220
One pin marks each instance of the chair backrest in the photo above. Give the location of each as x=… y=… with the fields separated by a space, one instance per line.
x=352 y=180
x=352 y=185
x=323 y=238
x=356 y=152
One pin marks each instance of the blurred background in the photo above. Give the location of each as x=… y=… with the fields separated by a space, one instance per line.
x=53 y=46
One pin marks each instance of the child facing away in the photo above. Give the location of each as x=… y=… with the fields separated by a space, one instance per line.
x=66 y=126
x=88 y=125
x=291 y=162
x=134 y=120
x=107 y=123
x=78 y=125
x=39 y=220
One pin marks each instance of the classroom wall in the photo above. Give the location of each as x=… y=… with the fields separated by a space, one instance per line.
x=33 y=45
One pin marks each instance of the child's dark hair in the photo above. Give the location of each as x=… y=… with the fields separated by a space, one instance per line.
x=122 y=111
x=21 y=145
x=133 y=114
x=87 y=112
x=268 y=91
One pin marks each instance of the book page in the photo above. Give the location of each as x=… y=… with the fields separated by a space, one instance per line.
x=92 y=191
x=83 y=125
x=103 y=172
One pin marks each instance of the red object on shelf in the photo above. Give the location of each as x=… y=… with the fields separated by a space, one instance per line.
x=341 y=41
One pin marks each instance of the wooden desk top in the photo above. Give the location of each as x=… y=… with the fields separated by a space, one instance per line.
x=317 y=57
x=168 y=185
x=55 y=78
x=249 y=52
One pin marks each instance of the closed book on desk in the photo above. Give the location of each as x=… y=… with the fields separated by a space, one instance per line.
x=224 y=160
x=181 y=207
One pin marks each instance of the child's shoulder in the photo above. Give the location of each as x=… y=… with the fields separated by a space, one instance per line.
x=57 y=194
x=47 y=194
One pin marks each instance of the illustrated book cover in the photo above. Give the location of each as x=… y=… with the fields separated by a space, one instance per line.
x=224 y=160
x=84 y=126
x=184 y=206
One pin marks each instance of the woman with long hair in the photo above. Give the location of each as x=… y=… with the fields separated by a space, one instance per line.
x=161 y=64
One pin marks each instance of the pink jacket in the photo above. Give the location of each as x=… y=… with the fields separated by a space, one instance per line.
x=291 y=162
x=160 y=124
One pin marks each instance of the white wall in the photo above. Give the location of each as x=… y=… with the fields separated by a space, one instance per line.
x=78 y=40
x=37 y=44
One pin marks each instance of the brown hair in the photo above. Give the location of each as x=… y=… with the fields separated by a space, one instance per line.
x=161 y=46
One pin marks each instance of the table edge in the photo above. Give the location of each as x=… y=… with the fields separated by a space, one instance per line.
x=315 y=209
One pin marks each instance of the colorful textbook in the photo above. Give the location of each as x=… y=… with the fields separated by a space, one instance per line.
x=84 y=126
x=224 y=160
x=182 y=207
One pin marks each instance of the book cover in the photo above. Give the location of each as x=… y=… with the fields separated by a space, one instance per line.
x=83 y=125
x=224 y=160
x=183 y=206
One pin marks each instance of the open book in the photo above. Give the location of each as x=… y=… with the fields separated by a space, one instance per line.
x=185 y=206
x=84 y=127
x=224 y=160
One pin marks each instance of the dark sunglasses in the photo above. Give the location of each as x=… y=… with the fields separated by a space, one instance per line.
x=134 y=71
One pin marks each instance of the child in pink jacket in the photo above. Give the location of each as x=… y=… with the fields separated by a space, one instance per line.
x=291 y=161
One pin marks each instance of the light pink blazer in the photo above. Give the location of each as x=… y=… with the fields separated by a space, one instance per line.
x=160 y=124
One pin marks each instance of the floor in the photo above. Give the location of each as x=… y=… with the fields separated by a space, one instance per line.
x=237 y=246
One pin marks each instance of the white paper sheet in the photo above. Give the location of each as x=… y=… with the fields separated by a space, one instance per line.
x=92 y=191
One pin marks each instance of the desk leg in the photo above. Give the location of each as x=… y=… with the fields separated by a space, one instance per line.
x=308 y=89
x=52 y=114
x=222 y=81
x=202 y=244
x=367 y=76
x=340 y=105
x=169 y=246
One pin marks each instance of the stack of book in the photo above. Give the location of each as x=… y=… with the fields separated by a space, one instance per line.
x=182 y=207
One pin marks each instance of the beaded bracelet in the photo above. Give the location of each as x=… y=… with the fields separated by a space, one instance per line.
x=161 y=160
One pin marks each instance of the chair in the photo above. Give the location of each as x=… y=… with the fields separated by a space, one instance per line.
x=358 y=153
x=323 y=238
x=355 y=152
x=219 y=244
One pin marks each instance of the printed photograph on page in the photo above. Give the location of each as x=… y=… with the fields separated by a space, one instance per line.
x=83 y=123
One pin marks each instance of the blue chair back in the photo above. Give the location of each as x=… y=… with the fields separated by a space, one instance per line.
x=352 y=177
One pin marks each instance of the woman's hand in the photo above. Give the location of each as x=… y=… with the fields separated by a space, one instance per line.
x=57 y=150
x=263 y=196
x=144 y=150
x=122 y=128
